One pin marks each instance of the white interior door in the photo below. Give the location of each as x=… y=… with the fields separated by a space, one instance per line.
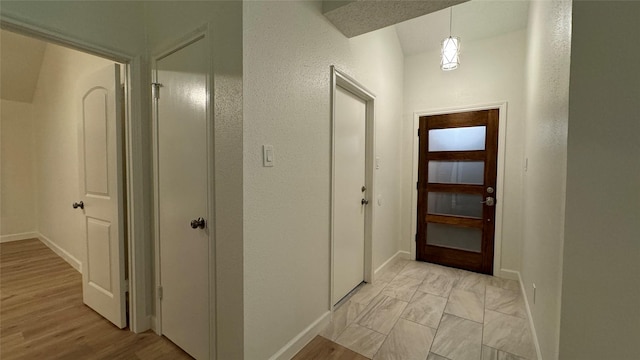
x=101 y=191
x=349 y=211
x=182 y=197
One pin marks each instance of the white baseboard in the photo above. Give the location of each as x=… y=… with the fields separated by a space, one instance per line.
x=509 y=274
x=18 y=237
x=399 y=255
x=531 y=324
x=297 y=343
x=75 y=263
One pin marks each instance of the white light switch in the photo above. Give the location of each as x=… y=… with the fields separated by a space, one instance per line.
x=377 y=162
x=267 y=155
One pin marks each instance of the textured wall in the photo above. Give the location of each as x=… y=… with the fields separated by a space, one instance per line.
x=546 y=150
x=601 y=275
x=492 y=71
x=17 y=169
x=288 y=50
x=56 y=106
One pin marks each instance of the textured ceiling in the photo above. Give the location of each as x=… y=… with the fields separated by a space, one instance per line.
x=476 y=19
x=20 y=62
x=354 y=18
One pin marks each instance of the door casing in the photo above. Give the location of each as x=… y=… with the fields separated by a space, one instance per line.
x=502 y=127
x=201 y=33
x=134 y=151
x=341 y=79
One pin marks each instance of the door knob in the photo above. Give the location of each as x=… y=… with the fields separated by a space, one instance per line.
x=78 y=205
x=364 y=202
x=489 y=201
x=198 y=223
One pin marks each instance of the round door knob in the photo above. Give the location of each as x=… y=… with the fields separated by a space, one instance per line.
x=78 y=205
x=198 y=223
x=364 y=202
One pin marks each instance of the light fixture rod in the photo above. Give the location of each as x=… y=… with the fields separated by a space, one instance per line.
x=450 y=19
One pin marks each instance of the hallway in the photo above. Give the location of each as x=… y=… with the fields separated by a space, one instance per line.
x=418 y=310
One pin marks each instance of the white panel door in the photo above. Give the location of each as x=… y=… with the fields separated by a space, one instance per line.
x=183 y=166
x=101 y=191
x=349 y=142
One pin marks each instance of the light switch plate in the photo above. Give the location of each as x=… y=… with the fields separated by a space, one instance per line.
x=268 y=157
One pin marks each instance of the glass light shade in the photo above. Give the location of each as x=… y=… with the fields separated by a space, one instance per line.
x=450 y=53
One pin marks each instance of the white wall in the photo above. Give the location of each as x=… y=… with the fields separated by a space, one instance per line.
x=55 y=120
x=601 y=283
x=378 y=64
x=545 y=147
x=113 y=25
x=17 y=168
x=491 y=70
x=288 y=50
x=166 y=23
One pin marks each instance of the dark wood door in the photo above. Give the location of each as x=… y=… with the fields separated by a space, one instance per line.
x=456 y=189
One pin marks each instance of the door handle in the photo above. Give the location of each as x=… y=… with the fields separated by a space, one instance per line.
x=364 y=202
x=198 y=223
x=78 y=205
x=489 y=201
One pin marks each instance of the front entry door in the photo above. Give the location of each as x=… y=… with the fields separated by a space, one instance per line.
x=349 y=192
x=182 y=198
x=457 y=188
x=102 y=194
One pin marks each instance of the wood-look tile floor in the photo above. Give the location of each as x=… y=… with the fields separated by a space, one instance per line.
x=421 y=311
x=42 y=315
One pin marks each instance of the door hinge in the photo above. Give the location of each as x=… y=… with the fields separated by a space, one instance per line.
x=417 y=185
x=160 y=292
x=418 y=132
x=155 y=90
x=416 y=238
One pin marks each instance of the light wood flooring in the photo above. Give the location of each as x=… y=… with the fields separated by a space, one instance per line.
x=42 y=315
x=323 y=349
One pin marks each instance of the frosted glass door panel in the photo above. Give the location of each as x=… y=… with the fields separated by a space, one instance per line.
x=457 y=139
x=455 y=204
x=454 y=237
x=456 y=172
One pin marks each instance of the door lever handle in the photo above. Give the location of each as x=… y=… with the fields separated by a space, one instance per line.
x=78 y=205
x=364 y=202
x=490 y=201
x=198 y=223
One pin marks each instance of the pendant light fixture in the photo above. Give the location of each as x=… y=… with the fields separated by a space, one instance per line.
x=450 y=49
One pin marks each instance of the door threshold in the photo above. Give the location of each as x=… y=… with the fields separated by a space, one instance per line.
x=348 y=296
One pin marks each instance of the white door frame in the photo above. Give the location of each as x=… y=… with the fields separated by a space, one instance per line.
x=137 y=233
x=202 y=33
x=341 y=79
x=502 y=138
